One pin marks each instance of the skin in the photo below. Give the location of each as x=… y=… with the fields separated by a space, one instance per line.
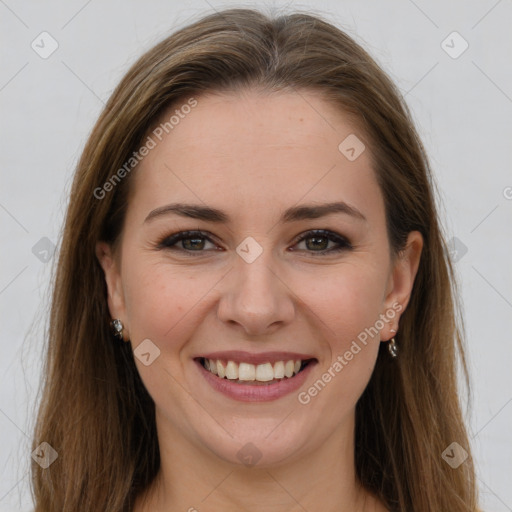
x=254 y=155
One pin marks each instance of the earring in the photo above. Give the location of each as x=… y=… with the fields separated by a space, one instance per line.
x=392 y=347
x=117 y=328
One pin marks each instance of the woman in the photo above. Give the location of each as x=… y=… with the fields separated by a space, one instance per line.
x=253 y=215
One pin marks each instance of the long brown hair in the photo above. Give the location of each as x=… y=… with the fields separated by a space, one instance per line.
x=95 y=411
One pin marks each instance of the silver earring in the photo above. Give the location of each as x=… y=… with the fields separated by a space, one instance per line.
x=117 y=328
x=392 y=347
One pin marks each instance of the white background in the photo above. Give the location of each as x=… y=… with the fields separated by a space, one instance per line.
x=462 y=108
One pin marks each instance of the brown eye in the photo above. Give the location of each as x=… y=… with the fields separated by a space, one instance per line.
x=318 y=241
x=192 y=241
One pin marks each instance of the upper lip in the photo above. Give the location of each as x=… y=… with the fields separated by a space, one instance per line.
x=239 y=356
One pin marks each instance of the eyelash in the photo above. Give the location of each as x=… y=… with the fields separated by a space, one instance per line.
x=169 y=242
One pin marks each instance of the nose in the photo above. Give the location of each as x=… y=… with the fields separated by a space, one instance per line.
x=256 y=297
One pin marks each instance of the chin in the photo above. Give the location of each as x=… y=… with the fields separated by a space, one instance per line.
x=262 y=444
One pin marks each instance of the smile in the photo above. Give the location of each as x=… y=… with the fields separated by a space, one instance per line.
x=249 y=377
x=244 y=372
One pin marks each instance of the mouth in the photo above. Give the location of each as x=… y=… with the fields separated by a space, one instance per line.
x=250 y=374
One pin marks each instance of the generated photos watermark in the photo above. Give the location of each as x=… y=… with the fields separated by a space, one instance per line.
x=151 y=142
x=304 y=397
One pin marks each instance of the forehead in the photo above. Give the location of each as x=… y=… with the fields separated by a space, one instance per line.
x=249 y=149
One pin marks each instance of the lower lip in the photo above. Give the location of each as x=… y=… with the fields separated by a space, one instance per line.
x=256 y=393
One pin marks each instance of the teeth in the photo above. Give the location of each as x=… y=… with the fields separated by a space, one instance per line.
x=250 y=372
x=288 y=368
x=246 y=371
x=232 y=370
x=264 y=372
x=221 y=369
x=279 y=370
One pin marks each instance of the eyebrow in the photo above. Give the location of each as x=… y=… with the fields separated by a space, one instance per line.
x=293 y=214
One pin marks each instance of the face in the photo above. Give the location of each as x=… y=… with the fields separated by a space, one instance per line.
x=266 y=277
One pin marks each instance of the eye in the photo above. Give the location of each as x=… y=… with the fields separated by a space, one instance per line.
x=195 y=241
x=320 y=239
x=191 y=241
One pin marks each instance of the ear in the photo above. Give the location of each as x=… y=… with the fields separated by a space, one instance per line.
x=116 y=303
x=401 y=281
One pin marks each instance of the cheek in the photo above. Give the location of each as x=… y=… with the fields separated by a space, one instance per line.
x=155 y=301
x=347 y=306
x=347 y=299
x=165 y=302
x=165 y=305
